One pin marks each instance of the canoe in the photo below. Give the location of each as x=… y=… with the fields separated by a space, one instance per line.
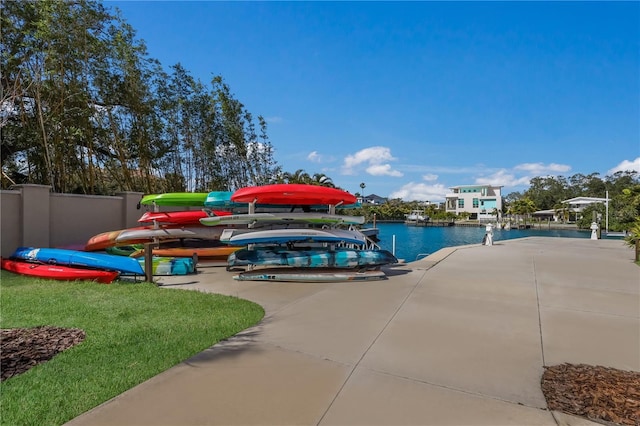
x=304 y=275
x=310 y=258
x=314 y=218
x=298 y=235
x=170 y=265
x=124 y=265
x=175 y=199
x=292 y=194
x=58 y=272
x=188 y=217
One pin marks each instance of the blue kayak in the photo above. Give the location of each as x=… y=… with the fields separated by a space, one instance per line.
x=311 y=257
x=125 y=265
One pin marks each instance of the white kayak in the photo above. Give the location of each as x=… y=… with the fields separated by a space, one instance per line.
x=310 y=217
x=299 y=235
x=201 y=232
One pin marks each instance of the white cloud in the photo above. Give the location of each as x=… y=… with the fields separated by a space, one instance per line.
x=383 y=170
x=375 y=158
x=314 y=157
x=503 y=178
x=430 y=177
x=542 y=169
x=421 y=192
x=274 y=120
x=626 y=165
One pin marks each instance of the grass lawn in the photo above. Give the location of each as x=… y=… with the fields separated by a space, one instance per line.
x=133 y=332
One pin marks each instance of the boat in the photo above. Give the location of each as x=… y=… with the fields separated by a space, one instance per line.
x=58 y=272
x=305 y=275
x=416 y=216
x=185 y=199
x=170 y=265
x=188 y=217
x=124 y=265
x=299 y=235
x=314 y=257
x=312 y=218
x=293 y=194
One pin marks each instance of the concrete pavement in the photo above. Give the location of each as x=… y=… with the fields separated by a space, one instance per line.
x=458 y=338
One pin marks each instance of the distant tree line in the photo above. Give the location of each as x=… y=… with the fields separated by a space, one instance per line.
x=544 y=193
x=85 y=110
x=547 y=193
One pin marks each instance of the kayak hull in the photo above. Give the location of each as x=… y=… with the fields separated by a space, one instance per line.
x=293 y=194
x=110 y=262
x=310 y=258
x=185 y=199
x=304 y=275
x=58 y=272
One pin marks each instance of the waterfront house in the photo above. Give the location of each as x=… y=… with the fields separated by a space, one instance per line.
x=373 y=199
x=480 y=201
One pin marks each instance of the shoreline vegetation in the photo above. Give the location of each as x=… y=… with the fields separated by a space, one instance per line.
x=529 y=225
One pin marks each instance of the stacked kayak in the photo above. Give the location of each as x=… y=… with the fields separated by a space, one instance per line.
x=58 y=272
x=340 y=257
x=81 y=259
x=307 y=246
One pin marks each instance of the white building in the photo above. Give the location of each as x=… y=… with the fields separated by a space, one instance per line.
x=578 y=204
x=479 y=200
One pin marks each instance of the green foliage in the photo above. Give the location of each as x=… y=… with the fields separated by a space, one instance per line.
x=634 y=234
x=133 y=332
x=549 y=193
x=92 y=113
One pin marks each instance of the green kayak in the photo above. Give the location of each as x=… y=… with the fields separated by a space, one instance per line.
x=175 y=199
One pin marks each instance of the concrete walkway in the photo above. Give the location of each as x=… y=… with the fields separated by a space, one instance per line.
x=458 y=338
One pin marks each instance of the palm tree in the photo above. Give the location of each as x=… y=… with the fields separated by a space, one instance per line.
x=299 y=176
x=562 y=210
x=322 y=180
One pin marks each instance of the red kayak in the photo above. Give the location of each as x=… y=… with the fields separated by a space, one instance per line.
x=57 y=272
x=187 y=217
x=293 y=194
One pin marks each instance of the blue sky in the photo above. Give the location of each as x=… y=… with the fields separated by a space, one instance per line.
x=413 y=98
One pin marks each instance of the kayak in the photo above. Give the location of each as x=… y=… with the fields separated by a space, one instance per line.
x=304 y=275
x=298 y=235
x=312 y=218
x=124 y=265
x=175 y=199
x=293 y=194
x=58 y=272
x=189 y=217
x=311 y=257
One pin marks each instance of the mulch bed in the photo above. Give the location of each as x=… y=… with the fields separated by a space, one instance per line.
x=24 y=348
x=600 y=394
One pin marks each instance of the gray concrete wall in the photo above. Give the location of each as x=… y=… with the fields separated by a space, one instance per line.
x=33 y=216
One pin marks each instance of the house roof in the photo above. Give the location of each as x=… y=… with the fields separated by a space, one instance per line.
x=585 y=200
